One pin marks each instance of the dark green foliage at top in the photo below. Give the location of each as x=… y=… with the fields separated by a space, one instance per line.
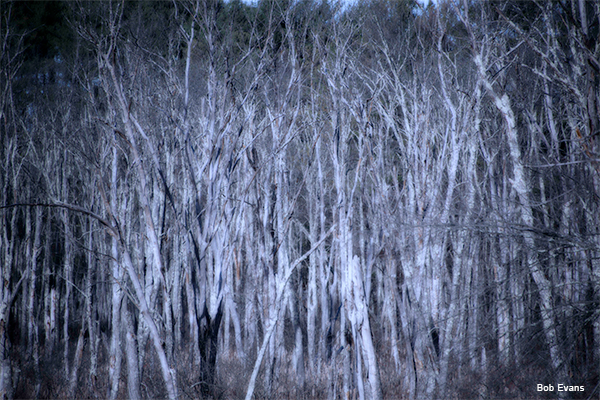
x=45 y=23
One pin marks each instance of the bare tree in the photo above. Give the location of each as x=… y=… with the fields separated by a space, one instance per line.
x=299 y=199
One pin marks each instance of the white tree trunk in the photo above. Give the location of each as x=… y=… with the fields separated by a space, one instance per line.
x=521 y=185
x=133 y=372
x=114 y=360
x=282 y=280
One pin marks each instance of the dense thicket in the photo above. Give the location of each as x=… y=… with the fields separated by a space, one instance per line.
x=293 y=199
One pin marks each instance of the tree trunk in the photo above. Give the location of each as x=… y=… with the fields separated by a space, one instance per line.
x=133 y=373
x=520 y=183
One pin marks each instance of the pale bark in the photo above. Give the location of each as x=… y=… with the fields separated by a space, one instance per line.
x=282 y=280
x=520 y=184
x=68 y=276
x=463 y=222
x=363 y=324
x=33 y=251
x=91 y=308
x=133 y=373
x=7 y=297
x=76 y=363
x=115 y=352
x=153 y=243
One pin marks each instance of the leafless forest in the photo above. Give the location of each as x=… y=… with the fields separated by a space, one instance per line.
x=300 y=199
